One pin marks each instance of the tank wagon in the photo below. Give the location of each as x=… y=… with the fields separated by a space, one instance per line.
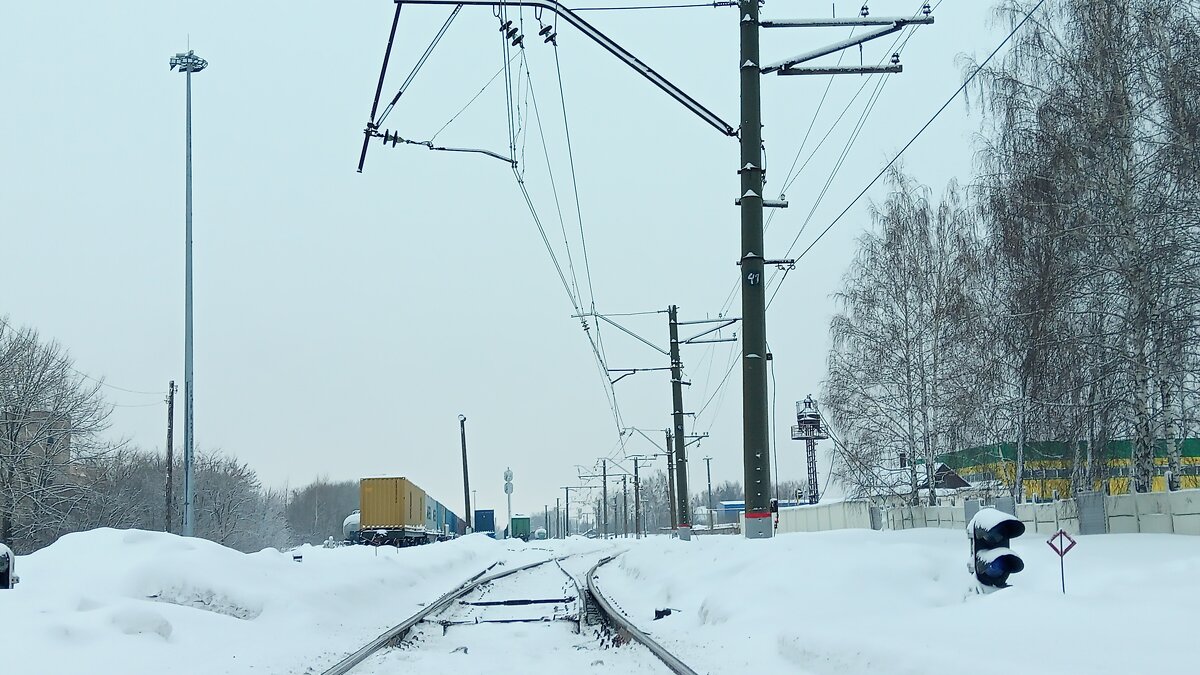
x=396 y=512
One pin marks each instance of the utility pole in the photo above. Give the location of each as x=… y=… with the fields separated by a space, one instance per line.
x=755 y=431
x=546 y=519
x=637 y=500
x=557 y=520
x=188 y=63
x=567 y=501
x=508 y=490
x=751 y=256
x=604 y=498
x=462 y=432
x=170 y=455
x=624 y=507
x=671 y=480
x=708 y=469
x=681 y=485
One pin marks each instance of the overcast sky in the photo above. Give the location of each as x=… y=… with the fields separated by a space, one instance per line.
x=345 y=320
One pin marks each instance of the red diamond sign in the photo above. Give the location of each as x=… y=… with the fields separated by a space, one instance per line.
x=1056 y=542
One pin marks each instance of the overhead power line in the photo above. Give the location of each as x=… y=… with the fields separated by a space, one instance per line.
x=970 y=78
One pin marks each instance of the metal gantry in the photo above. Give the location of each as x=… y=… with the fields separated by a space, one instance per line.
x=809 y=429
x=188 y=63
x=751 y=255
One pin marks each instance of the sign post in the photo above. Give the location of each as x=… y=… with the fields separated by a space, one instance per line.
x=508 y=490
x=1056 y=543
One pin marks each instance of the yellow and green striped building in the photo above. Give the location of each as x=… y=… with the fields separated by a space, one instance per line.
x=1048 y=466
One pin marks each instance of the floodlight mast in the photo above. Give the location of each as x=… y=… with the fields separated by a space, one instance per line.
x=188 y=63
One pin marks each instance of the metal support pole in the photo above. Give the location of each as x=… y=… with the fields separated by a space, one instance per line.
x=557 y=519
x=637 y=501
x=671 y=481
x=507 y=479
x=625 y=507
x=681 y=484
x=462 y=432
x=755 y=430
x=188 y=63
x=567 y=519
x=170 y=487
x=604 y=497
x=708 y=469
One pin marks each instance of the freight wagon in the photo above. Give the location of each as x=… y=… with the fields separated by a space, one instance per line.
x=519 y=527
x=395 y=512
x=485 y=521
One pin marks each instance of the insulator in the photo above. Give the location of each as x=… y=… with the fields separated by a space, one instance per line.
x=927 y=10
x=519 y=41
x=895 y=58
x=505 y=26
x=865 y=11
x=552 y=38
x=512 y=33
x=546 y=29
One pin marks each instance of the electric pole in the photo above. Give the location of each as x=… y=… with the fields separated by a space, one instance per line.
x=170 y=455
x=708 y=469
x=624 y=507
x=637 y=500
x=557 y=519
x=508 y=490
x=681 y=485
x=462 y=432
x=188 y=63
x=604 y=498
x=671 y=481
x=755 y=431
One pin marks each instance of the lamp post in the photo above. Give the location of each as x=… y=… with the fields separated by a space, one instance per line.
x=462 y=431
x=188 y=63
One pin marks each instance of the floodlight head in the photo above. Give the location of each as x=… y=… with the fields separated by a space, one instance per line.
x=188 y=62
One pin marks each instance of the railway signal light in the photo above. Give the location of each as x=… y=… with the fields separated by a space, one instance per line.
x=8 y=563
x=992 y=561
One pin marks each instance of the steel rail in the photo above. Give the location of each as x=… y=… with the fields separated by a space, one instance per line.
x=622 y=622
x=398 y=631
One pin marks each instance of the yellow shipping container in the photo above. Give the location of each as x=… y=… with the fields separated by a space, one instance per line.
x=391 y=504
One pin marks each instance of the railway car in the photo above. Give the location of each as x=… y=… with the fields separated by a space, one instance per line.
x=485 y=521
x=431 y=510
x=519 y=527
x=395 y=512
x=392 y=512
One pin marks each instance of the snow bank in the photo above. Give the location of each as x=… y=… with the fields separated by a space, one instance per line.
x=131 y=602
x=859 y=601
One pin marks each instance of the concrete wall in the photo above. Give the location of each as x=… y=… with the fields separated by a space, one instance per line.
x=1155 y=512
x=1163 y=512
x=821 y=517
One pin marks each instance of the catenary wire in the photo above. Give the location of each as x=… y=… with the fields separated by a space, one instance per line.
x=970 y=78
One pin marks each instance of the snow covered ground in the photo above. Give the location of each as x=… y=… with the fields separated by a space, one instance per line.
x=859 y=601
x=853 y=601
x=131 y=602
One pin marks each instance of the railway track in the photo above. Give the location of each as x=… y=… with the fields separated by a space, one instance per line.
x=533 y=618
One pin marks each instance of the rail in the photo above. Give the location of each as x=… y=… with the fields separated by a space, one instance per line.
x=397 y=632
x=624 y=624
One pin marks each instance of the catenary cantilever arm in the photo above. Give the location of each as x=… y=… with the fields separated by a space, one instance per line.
x=604 y=41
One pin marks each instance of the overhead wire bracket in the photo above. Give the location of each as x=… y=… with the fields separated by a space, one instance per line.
x=607 y=43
